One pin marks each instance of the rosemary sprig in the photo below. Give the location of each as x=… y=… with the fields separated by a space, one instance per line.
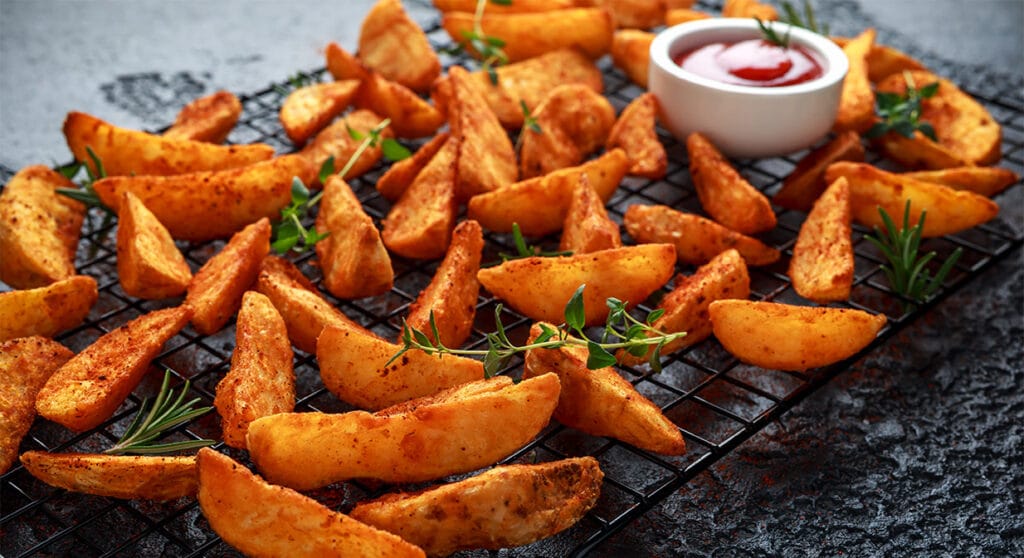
x=771 y=36
x=902 y=113
x=167 y=412
x=490 y=49
x=906 y=269
x=807 y=21
x=85 y=193
x=524 y=250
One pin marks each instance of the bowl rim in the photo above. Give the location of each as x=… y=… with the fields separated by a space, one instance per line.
x=835 y=59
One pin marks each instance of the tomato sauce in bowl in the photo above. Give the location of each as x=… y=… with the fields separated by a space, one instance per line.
x=753 y=63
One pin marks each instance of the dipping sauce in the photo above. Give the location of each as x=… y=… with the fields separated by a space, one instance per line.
x=754 y=62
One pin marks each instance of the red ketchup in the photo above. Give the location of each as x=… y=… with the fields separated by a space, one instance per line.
x=754 y=62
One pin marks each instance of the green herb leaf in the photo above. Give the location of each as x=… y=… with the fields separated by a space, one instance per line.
x=598 y=357
x=808 y=21
x=769 y=34
x=902 y=113
x=326 y=170
x=168 y=411
x=394 y=151
x=575 y=317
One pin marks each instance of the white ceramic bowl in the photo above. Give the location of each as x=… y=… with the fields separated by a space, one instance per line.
x=744 y=121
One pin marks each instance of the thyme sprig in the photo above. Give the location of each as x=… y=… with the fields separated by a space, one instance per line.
x=807 y=21
x=85 y=193
x=771 y=36
x=529 y=123
x=168 y=411
x=490 y=49
x=902 y=113
x=524 y=250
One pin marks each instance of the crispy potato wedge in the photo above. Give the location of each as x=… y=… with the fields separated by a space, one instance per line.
x=307 y=110
x=25 y=365
x=356 y=368
x=635 y=14
x=587 y=226
x=631 y=53
x=600 y=402
x=261 y=380
x=634 y=132
x=343 y=65
x=807 y=181
x=39 y=229
x=353 y=258
x=987 y=181
x=510 y=505
x=261 y=519
x=727 y=197
x=519 y=6
x=47 y=310
x=949 y=211
x=394 y=182
x=130 y=477
x=786 y=337
x=682 y=15
x=127 y=152
x=857 y=103
x=574 y=121
x=149 y=265
x=487 y=160
x=884 y=60
x=531 y=34
x=88 y=388
x=388 y=30
x=204 y=206
x=215 y=293
x=208 y=118
x=452 y=293
x=679 y=4
x=422 y=439
x=697 y=240
x=822 y=264
x=749 y=8
x=540 y=287
x=335 y=140
x=686 y=306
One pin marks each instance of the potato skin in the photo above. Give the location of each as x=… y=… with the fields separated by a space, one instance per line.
x=822 y=264
x=130 y=477
x=47 y=310
x=725 y=195
x=987 y=181
x=487 y=159
x=149 y=265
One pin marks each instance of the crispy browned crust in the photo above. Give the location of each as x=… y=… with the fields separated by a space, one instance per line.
x=574 y=121
x=130 y=477
x=857 y=103
x=149 y=264
x=631 y=53
x=725 y=195
x=532 y=34
x=307 y=110
x=807 y=181
x=634 y=132
x=487 y=160
x=587 y=226
x=388 y=30
x=208 y=118
x=47 y=310
x=822 y=264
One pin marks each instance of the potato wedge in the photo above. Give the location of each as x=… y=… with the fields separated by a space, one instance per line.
x=634 y=132
x=422 y=439
x=88 y=388
x=127 y=152
x=531 y=34
x=822 y=264
x=48 y=310
x=510 y=505
x=307 y=110
x=631 y=53
x=335 y=140
x=749 y=8
x=215 y=293
x=356 y=368
x=987 y=181
x=39 y=229
x=388 y=30
x=786 y=337
x=394 y=182
x=727 y=197
x=686 y=306
x=261 y=519
x=25 y=365
x=487 y=160
x=261 y=380
x=343 y=65
x=602 y=403
x=540 y=287
x=353 y=258
x=452 y=293
x=574 y=121
x=884 y=60
x=682 y=15
x=149 y=265
x=208 y=205
x=208 y=118
x=520 y=6
x=949 y=211
x=587 y=226
x=807 y=181
x=857 y=103
x=635 y=14
x=130 y=477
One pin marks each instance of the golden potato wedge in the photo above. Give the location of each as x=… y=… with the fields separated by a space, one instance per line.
x=987 y=181
x=304 y=310
x=807 y=181
x=510 y=505
x=531 y=34
x=356 y=368
x=600 y=402
x=786 y=337
x=487 y=160
x=726 y=196
x=261 y=519
x=127 y=152
x=540 y=287
x=631 y=53
x=307 y=110
x=47 y=310
x=749 y=8
x=686 y=306
x=343 y=65
x=215 y=293
x=130 y=477
x=857 y=103
x=386 y=31
x=519 y=6
x=208 y=118
x=452 y=293
x=574 y=121
x=682 y=15
x=393 y=183
x=422 y=439
x=353 y=258
x=587 y=226
x=25 y=365
x=88 y=388
x=539 y=205
x=822 y=264
x=884 y=60
x=335 y=140
x=39 y=229
x=949 y=211
x=635 y=14
x=149 y=265
x=261 y=380
x=679 y=4
x=634 y=132
x=917 y=152
x=204 y=206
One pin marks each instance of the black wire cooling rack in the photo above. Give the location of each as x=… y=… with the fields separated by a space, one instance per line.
x=717 y=401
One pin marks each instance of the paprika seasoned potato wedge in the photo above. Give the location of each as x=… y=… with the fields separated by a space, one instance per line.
x=631 y=53
x=336 y=141
x=822 y=264
x=149 y=265
x=510 y=505
x=261 y=519
x=857 y=102
x=87 y=389
x=519 y=6
x=130 y=477
x=394 y=182
x=634 y=132
x=131 y=152
x=540 y=287
x=531 y=34
x=487 y=160
x=587 y=226
x=208 y=118
x=388 y=30
x=727 y=197
x=987 y=181
x=353 y=258
x=307 y=110
x=47 y=310
x=749 y=8
x=884 y=60
x=682 y=15
x=574 y=121
x=419 y=440
x=807 y=181
x=635 y=14
x=786 y=337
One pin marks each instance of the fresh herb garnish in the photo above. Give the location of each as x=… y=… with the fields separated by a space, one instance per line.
x=771 y=36
x=526 y=251
x=529 y=123
x=902 y=113
x=490 y=49
x=85 y=192
x=906 y=270
x=807 y=21
x=168 y=411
